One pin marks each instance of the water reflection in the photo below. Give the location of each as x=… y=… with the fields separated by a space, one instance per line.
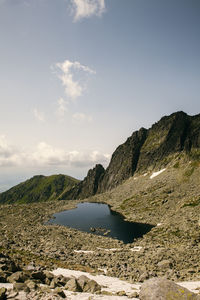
x=99 y=219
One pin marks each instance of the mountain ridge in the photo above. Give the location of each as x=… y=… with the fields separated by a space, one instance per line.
x=145 y=150
x=38 y=188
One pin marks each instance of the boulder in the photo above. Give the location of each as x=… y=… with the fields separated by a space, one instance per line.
x=92 y=287
x=12 y=294
x=17 y=277
x=19 y=286
x=3 y=277
x=59 y=292
x=48 y=274
x=39 y=275
x=59 y=281
x=82 y=281
x=72 y=285
x=3 y=294
x=165 y=264
x=31 y=284
x=163 y=289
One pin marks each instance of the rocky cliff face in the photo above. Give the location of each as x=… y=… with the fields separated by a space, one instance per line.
x=172 y=134
x=124 y=161
x=145 y=149
x=87 y=187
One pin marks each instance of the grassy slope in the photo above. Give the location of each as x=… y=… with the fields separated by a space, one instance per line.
x=38 y=188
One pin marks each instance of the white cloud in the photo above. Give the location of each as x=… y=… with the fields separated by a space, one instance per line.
x=74 y=88
x=81 y=117
x=87 y=8
x=9 y=155
x=61 y=107
x=47 y=155
x=39 y=115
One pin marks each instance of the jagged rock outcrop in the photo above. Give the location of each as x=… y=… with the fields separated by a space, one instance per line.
x=87 y=187
x=145 y=149
x=164 y=138
x=124 y=161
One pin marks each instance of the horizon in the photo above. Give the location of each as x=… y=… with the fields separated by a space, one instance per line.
x=78 y=78
x=35 y=175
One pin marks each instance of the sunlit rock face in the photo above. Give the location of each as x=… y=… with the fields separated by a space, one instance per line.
x=145 y=149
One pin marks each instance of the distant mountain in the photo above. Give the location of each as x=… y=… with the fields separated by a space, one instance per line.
x=144 y=150
x=38 y=188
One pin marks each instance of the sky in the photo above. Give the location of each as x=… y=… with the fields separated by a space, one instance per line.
x=77 y=77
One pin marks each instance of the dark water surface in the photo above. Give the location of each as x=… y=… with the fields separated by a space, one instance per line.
x=97 y=215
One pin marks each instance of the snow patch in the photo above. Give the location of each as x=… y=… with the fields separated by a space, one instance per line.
x=136 y=249
x=110 y=284
x=103 y=270
x=145 y=174
x=193 y=286
x=111 y=249
x=84 y=251
x=159 y=224
x=157 y=173
x=88 y=296
x=6 y=285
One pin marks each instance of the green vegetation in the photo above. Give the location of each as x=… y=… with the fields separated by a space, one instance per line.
x=189 y=172
x=195 y=154
x=192 y=203
x=38 y=188
x=129 y=202
x=154 y=139
x=177 y=232
x=176 y=165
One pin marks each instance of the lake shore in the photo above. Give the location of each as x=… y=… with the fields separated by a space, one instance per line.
x=24 y=236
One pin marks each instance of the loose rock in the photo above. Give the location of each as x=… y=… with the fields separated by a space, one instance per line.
x=163 y=289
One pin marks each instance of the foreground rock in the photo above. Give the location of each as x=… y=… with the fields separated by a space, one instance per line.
x=2 y=293
x=163 y=289
x=30 y=282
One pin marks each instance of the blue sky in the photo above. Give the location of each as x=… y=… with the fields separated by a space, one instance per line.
x=79 y=76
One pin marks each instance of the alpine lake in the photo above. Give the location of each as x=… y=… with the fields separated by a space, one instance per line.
x=99 y=219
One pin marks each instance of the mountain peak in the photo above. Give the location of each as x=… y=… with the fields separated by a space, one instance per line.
x=146 y=149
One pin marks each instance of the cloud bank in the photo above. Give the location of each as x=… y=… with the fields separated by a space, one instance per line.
x=47 y=155
x=9 y=155
x=87 y=8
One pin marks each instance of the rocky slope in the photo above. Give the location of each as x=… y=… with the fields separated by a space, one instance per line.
x=38 y=188
x=168 y=198
x=144 y=150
